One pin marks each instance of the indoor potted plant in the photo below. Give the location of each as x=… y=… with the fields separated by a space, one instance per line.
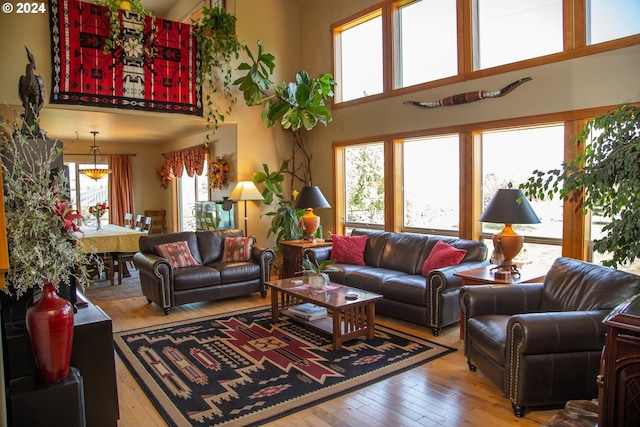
x=317 y=273
x=605 y=178
x=218 y=46
x=44 y=250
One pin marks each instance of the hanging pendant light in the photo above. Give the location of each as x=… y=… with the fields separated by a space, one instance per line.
x=95 y=173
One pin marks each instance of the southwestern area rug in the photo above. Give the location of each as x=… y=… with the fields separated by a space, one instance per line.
x=240 y=369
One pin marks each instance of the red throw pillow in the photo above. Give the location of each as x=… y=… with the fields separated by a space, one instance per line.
x=442 y=255
x=237 y=248
x=348 y=249
x=178 y=254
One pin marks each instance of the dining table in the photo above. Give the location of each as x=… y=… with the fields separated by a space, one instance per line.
x=110 y=239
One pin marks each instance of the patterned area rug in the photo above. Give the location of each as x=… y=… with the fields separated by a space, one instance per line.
x=240 y=369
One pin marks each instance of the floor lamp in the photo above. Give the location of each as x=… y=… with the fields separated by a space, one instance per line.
x=245 y=190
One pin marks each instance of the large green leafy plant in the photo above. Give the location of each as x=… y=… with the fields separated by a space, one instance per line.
x=298 y=105
x=604 y=179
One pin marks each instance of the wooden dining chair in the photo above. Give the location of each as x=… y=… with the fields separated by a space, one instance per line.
x=128 y=220
x=138 y=223
x=147 y=223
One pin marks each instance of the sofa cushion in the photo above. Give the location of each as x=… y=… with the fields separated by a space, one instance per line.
x=210 y=243
x=195 y=278
x=177 y=253
x=406 y=288
x=374 y=247
x=240 y=271
x=348 y=249
x=442 y=255
x=489 y=334
x=404 y=252
x=237 y=248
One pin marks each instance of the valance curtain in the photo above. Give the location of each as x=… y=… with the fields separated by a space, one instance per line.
x=190 y=159
x=120 y=188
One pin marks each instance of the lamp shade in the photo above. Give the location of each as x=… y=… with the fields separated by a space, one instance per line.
x=95 y=172
x=504 y=208
x=311 y=197
x=245 y=190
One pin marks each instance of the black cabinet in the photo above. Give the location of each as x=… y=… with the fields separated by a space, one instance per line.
x=92 y=355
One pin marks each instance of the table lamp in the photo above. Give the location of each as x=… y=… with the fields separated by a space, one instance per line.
x=509 y=206
x=310 y=197
x=245 y=190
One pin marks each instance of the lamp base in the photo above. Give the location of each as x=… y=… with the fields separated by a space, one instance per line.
x=309 y=222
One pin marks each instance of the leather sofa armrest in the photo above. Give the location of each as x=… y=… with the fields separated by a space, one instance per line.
x=478 y=300
x=557 y=332
x=318 y=255
x=156 y=279
x=263 y=257
x=443 y=280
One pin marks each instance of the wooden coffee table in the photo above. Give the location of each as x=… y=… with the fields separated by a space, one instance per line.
x=348 y=319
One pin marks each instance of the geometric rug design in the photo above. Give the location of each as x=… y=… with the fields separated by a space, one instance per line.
x=240 y=369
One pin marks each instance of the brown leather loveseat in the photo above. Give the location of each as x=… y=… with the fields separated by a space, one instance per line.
x=211 y=279
x=393 y=269
x=541 y=343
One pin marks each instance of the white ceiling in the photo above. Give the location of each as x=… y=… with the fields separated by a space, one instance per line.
x=116 y=125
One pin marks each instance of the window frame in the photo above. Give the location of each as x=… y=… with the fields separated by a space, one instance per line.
x=574 y=46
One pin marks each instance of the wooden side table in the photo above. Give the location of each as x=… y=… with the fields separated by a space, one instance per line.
x=293 y=251
x=485 y=276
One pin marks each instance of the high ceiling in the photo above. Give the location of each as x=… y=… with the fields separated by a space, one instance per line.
x=121 y=125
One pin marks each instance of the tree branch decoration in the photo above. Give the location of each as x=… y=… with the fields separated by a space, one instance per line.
x=604 y=179
x=465 y=98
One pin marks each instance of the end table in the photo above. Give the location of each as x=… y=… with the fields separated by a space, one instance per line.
x=293 y=251
x=485 y=276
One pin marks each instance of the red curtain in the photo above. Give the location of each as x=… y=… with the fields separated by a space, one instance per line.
x=190 y=159
x=120 y=188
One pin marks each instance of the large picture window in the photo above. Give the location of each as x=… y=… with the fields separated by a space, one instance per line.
x=510 y=31
x=359 y=68
x=612 y=19
x=427 y=30
x=364 y=185
x=432 y=204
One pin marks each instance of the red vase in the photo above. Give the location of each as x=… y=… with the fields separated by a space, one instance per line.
x=50 y=327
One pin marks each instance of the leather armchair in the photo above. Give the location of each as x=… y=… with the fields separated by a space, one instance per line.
x=541 y=343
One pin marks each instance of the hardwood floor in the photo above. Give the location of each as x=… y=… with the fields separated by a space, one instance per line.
x=441 y=393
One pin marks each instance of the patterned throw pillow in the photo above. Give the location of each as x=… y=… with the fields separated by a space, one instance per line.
x=178 y=254
x=237 y=248
x=348 y=249
x=442 y=255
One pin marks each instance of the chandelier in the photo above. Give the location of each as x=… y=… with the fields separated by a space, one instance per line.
x=96 y=172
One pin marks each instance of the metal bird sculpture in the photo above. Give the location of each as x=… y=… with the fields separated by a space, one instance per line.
x=31 y=91
x=464 y=98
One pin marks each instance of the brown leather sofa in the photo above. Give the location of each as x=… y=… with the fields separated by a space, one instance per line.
x=213 y=280
x=394 y=270
x=541 y=343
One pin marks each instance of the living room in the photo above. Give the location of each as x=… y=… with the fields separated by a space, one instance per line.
x=567 y=88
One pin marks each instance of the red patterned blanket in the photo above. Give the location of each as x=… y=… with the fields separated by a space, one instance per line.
x=127 y=78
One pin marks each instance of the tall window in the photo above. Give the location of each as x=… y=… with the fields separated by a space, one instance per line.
x=359 y=68
x=431 y=204
x=86 y=192
x=510 y=156
x=191 y=190
x=364 y=185
x=612 y=19
x=427 y=48
x=510 y=31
